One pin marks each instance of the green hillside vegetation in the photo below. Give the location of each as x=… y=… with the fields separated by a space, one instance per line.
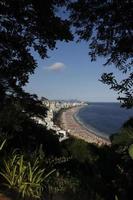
x=125 y=136
x=75 y=170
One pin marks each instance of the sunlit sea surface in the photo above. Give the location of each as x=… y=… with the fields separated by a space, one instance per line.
x=104 y=119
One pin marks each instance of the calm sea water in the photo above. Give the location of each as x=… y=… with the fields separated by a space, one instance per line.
x=103 y=119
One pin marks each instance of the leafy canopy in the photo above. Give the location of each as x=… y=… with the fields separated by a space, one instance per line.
x=107 y=26
x=26 y=26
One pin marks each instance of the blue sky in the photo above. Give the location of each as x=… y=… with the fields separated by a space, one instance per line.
x=68 y=73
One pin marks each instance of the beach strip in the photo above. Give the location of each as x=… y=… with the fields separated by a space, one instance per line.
x=71 y=125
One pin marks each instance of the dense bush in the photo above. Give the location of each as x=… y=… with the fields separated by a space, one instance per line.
x=24 y=174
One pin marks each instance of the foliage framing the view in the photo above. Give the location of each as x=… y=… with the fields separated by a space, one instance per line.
x=108 y=28
x=92 y=172
x=26 y=26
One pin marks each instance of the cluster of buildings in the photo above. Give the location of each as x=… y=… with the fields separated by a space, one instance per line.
x=54 y=107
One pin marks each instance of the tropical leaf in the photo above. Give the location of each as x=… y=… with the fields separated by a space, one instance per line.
x=26 y=177
x=130 y=150
x=2 y=144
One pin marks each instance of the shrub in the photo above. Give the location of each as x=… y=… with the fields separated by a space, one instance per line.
x=24 y=177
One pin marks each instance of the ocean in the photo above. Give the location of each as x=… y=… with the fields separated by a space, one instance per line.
x=103 y=119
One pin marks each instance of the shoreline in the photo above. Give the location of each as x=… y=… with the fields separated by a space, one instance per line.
x=87 y=128
x=69 y=123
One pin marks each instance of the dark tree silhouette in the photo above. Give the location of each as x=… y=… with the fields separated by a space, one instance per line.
x=107 y=26
x=25 y=26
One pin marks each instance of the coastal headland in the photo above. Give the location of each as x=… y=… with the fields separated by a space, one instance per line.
x=71 y=125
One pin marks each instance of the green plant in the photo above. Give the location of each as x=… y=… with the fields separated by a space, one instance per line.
x=24 y=177
x=2 y=144
x=116 y=198
x=130 y=150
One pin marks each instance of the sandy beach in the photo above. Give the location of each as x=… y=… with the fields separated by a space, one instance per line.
x=75 y=129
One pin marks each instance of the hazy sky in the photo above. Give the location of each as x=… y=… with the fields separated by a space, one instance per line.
x=68 y=73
